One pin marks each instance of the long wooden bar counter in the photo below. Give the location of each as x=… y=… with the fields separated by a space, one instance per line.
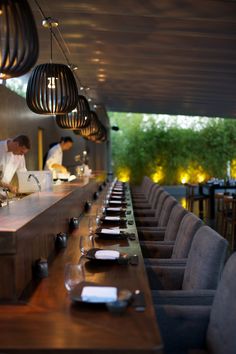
x=28 y=228
x=49 y=322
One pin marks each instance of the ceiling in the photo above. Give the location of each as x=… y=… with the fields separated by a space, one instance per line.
x=154 y=56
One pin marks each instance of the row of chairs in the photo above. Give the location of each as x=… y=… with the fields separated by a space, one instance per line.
x=184 y=262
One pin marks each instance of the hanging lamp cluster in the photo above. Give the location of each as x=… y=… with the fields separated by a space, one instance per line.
x=95 y=131
x=52 y=88
x=19 y=45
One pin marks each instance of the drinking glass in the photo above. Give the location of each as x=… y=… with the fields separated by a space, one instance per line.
x=92 y=225
x=74 y=274
x=99 y=214
x=86 y=243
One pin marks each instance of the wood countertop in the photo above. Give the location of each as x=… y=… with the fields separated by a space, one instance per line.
x=48 y=322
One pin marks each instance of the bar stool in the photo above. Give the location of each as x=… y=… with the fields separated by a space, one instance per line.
x=193 y=195
x=229 y=219
x=219 y=211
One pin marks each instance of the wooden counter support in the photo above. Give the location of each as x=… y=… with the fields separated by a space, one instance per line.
x=28 y=228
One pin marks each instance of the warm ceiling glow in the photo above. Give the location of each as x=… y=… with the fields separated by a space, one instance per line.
x=95 y=60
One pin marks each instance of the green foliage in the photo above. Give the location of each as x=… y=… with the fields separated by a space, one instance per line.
x=142 y=145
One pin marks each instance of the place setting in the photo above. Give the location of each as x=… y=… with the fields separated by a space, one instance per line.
x=102 y=256
x=85 y=293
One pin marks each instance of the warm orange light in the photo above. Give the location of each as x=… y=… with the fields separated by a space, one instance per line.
x=194 y=173
x=123 y=174
x=158 y=175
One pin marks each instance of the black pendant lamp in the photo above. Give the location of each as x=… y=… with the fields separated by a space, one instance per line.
x=19 y=44
x=95 y=132
x=51 y=88
x=79 y=118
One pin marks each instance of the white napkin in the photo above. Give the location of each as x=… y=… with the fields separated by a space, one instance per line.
x=110 y=231
x=115 y=202
x=107 y=254
x=117 y=193
x=117 y=197
x=99 y=294
x=114 y=209
x=112 y=218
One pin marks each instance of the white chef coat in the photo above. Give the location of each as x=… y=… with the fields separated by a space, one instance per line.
x=55 y=155
x=10 y=163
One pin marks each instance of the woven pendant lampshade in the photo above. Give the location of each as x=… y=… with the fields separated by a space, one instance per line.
x=18 y=38
x=95 y=132
x=92 y=128
x=52 y=89
x=79 y=118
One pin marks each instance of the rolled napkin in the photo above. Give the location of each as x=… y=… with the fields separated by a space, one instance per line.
x=115 y=202
x=110 y=231
x=112 y=218
x=107 y=254
x=117 y=197
x=114 y=209
x=99 y=294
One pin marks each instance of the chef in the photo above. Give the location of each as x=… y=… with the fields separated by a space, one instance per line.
x=12 y=159
x=55 y=155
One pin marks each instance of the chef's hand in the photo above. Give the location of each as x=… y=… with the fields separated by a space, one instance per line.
x=63 y=169
x=13 y=189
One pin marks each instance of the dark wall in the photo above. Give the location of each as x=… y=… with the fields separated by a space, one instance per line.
x=16 y=118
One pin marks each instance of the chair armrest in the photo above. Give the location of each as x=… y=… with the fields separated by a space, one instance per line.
x=169 y=262
x=154 y=250
x=146 y=221
x=144 y=212
x=151 y=235
x=203 y=297
x=165 y=278
x=183 y=327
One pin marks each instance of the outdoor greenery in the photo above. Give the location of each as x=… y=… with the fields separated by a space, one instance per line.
x=170 y=153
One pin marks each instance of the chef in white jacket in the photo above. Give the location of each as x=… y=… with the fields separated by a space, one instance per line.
x=12 y=159
x=55 y=155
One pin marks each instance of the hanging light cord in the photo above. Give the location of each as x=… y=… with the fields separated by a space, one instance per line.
x=58 y=42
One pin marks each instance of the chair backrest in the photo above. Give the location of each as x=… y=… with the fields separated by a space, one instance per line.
x=221 y=329
x=187 y=229
x=205 y=261
x=161 y=200
x=156 y=197
x=168 y=205
x=176 y=216
x=149 y=190
x=154 y=192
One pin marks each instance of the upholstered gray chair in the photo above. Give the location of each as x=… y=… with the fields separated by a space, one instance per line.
x=202 y=270
x=143 y=194
x=177 y=239
x=165 y=235
x=203 y=329
x=140 y=190
x=150 y=205
x=162 y=213
x=142 y=209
